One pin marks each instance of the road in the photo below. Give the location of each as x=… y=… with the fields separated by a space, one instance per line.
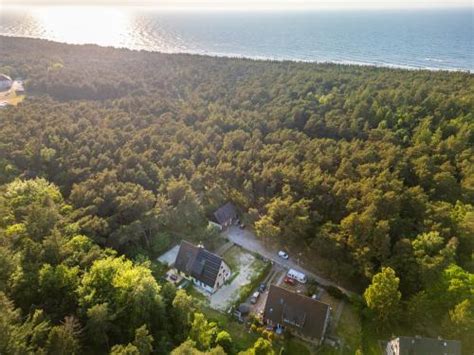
x=247 y=240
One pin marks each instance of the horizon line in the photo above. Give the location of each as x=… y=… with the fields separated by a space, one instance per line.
x=301 y=5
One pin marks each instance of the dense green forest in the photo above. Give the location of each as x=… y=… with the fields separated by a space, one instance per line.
x=116 y=153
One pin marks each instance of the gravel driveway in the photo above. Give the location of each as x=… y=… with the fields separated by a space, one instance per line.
x=248 y=268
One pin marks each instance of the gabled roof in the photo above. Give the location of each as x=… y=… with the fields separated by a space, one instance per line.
x=4 y=77
x=427 y=346
x=198 y=263
x=225 y=212
x=186 y=256
x=303 y=314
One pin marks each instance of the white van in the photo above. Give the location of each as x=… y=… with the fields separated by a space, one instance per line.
x=296 y=275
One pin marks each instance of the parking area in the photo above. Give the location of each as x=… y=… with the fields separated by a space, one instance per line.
x=245 y=268
x=173 y=277
x=276 y=273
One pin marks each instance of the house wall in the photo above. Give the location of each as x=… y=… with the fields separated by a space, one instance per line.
x=326 y=322
x=293 y=331
x=224 y=274
x=198 y=283
x=203 y=286
x=392 y=348
x=4 y=84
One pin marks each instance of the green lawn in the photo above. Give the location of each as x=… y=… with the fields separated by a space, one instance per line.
x=199 y=296
x=349 y=328
x=295 y=346
x=232 y=258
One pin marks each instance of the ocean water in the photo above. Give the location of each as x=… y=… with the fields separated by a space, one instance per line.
x=429 y=39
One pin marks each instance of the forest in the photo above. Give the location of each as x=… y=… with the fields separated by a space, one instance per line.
x=116 y=153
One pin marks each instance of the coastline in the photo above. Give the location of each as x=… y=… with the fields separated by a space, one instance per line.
x=392 y=66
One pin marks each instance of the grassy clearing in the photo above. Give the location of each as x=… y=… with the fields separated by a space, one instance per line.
x=216 y=243
x=232 y=258
x=294 y=346
x=349 y=328
x=202 y=300
x=239 y=333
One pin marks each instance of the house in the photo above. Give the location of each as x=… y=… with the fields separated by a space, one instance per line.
x=422 y=346
x=303 y=316
x=5 y=82
x=205 y=269
x=19 y=88
x=225 y=215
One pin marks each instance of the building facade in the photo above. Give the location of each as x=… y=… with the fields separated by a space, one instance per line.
x=422 y=346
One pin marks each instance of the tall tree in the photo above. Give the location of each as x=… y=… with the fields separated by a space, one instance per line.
x=383 y=297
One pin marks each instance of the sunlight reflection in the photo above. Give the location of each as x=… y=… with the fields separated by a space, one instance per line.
x=104 y=26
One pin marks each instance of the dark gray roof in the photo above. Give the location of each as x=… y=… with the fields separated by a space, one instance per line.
x=303 y=314
x=244 y=308
x=198 y=263
x=186 y=256
x=225 y=213
x=428 y=346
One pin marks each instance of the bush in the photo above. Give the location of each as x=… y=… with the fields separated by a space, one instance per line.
x=230 y=279
x=336 y=293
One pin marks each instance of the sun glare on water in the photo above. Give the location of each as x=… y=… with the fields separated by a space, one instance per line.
x=105 y=26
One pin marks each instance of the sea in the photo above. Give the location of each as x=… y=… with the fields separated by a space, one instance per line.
x=435 y=39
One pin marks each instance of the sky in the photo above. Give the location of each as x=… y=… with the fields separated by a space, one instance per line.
x=260 y=4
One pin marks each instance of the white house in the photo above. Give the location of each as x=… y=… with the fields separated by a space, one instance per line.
x=422 y=346
x=207 y=270
x=5 y=82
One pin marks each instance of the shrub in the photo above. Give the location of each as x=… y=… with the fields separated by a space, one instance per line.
x=336 y=293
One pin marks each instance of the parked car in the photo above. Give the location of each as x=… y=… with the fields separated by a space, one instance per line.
x=289 y=281
x=283 y=255
x=174 y=277
x=254 y=297
x=296 y=275
x=242 y=226
x=262 y=287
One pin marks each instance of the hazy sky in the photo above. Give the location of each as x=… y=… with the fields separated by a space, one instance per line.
x=262 y=4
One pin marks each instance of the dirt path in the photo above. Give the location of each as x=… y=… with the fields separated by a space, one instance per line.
x=338 y=313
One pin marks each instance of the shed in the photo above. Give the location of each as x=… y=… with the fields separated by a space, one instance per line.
x=226 y=214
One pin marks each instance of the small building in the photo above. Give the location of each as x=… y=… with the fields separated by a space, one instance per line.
x=205 y=269
x=5 y=82
x=225 y=215
x=19 y=88
x=242 y=311
x=303 y=316
x=422 y=346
